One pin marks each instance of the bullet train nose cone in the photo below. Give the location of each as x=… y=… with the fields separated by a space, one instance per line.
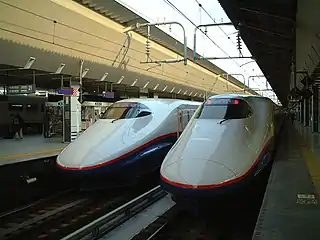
x=91 y=159
x=197 y=171
x=87 y=159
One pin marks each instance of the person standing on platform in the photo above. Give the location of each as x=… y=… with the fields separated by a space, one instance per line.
x=292 y=117
x=18 y=126
x=12 y=127
x=21 y=125
x=96 y=117
x=46 y=121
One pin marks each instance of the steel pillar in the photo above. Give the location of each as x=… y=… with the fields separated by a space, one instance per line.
x=315 y=109
x=306 y=113
x=302 y=111
x=66 y=118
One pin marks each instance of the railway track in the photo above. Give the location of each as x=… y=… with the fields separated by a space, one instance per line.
x=218 y=224
x=59 y=215
x=225 y=221
x=179 y=224
x=26 y=182
x=115 y=218
x=231 y=218
x=93 y=215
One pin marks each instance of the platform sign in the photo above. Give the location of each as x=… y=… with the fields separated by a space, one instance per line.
x=54 y=104
x=20 y=89
x=109 y=95
x=308 y=198
x=65 y=91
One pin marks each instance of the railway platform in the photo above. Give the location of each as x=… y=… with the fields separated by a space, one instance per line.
x=290 y=208
x=29 y=148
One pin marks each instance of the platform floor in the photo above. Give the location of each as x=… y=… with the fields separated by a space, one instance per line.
x=311 y=150
x=291 y=208
x=29 y=148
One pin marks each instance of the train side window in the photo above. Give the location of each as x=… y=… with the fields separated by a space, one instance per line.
x=125 y=110
x=143 y=114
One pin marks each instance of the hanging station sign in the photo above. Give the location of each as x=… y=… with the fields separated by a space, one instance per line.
x=108 y=95
x=20 y=89
x=65 y=91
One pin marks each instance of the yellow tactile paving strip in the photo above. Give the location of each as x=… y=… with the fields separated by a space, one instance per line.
x=311 y=160
x=21 y=155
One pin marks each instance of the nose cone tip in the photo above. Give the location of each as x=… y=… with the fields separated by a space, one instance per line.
x=72 y=160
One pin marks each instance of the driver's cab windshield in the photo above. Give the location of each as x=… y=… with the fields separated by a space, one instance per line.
x=124 y=110
x=224 y=108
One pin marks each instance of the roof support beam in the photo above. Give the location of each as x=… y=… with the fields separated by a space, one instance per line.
x=276 y=46
x=267 y=31
x=267 y=14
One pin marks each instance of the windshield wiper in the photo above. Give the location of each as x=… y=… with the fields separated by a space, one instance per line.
x=223 y=120
x=114 y=120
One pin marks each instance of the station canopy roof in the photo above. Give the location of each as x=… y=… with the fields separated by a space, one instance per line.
x=268 y=30
x=124 y=16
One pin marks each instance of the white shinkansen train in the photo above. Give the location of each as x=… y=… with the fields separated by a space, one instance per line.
x=131 y=139
x=228 y=141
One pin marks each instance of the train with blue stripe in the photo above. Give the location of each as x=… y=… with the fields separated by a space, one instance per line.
x=229 y=141
x=130 y=140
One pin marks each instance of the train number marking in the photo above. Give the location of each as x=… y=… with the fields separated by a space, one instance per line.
x=306 y=199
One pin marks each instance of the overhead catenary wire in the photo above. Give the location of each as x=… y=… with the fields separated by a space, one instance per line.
x=186 y=17
x=82 y=43
x=181 y=13
x=55 y=22
x=209 y=15
x=200 y=22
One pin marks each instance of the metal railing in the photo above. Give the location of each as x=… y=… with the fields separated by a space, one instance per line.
x=115 y=218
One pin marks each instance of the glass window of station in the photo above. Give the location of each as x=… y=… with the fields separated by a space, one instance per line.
x=224 y=108
x=125 y=110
